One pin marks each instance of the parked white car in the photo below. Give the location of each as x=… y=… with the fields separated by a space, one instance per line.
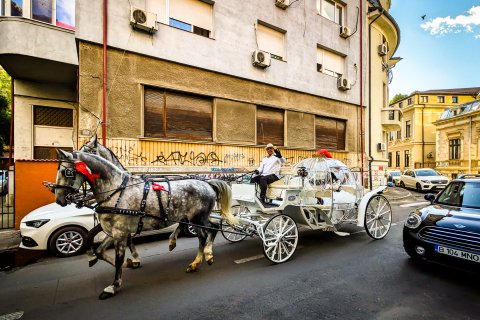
x=61 y=230
x=423 y=179
x=394 y=176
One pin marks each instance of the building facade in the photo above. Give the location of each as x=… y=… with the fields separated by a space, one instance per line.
x=172 y=85
x=415 y=144
x=457 y=136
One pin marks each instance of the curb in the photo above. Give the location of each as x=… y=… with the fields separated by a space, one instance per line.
x=9 y=240
x=399 y=197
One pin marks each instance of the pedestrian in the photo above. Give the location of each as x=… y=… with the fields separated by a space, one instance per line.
x=269 y=170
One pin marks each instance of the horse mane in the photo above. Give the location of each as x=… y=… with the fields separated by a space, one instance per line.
x=98 y=162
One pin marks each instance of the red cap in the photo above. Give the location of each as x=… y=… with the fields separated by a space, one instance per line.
x=323 y=152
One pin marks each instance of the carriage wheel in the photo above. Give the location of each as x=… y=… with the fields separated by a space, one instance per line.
x=231 y=233
x=378 y=217
x=281 y=238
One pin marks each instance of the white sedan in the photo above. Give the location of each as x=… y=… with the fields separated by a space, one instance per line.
x=423 y=179
x=61 y=230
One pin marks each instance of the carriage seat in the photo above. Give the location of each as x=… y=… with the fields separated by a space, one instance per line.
x=275 y=193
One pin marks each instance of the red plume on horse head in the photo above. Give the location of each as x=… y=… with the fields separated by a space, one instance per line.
x=323 y=152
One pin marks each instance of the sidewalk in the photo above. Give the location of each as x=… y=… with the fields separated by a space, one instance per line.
x=9 y=239
x=396 y=193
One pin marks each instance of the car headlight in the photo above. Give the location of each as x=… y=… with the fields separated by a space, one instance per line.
x=425 y=181
x=36 y=223
x=413 y=221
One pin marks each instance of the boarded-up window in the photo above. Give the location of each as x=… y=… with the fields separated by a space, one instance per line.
x=177 y=115
x=270 y=126
x=54 y=117
x=330 y=133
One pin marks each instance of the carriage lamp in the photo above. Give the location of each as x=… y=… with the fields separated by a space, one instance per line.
x=36 y=223
x=413 y=221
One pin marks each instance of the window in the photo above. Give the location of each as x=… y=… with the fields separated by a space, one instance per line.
x=330 y=133
x=391 y=115
x=441 y=99
x=270 y=126
x=408 y=128
x=331 y=10
x=410 y=101
x=454 y=149
x=397 y=159
x=454 y=99
x=400 y=105
x=42 y=10
x=65 y=14
x=174 y=115
x=2 y=8
x=191 y=15
x=424 y=99
x=407 y=158
x=391 y=136
x=330 y=63
x=389 y=159
x=271 y=40
x=16 y=8
x=399 y=135
x=53 y=128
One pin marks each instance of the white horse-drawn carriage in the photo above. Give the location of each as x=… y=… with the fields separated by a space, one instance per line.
x=318 y=193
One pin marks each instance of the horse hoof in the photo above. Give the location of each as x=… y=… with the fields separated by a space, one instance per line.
x=105 y=295
x=92 y=262
x=191 y=269
x=135 y=265
x=132 y=265
x=210 y=261
x=171 y=247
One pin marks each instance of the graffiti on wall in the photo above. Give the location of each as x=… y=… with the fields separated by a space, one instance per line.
x=128 y=156
x=188 y=158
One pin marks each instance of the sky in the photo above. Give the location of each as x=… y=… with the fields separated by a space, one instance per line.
x=441 y=51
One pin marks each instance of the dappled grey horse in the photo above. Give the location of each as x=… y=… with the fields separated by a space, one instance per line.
x=94 y=147
x=125 y=205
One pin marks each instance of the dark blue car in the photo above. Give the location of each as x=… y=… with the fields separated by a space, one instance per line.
x=448 y=230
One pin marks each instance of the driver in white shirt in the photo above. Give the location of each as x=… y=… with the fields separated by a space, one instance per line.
x=269 y=169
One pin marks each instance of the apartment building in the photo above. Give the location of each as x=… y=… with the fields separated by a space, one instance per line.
x=457 y=135
x=415 y=144
x=200 y=83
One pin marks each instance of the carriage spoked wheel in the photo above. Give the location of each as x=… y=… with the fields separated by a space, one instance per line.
x=378 y=217
x=231 y=233
x=280 y=238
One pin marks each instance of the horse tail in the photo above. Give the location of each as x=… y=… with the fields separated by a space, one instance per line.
x=224 y=198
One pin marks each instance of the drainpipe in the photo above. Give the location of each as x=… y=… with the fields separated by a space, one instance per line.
x=104 y=106
x=12 y=122
x=423 y=139
x=470 y=148
x=370 y=158
x=362 y=131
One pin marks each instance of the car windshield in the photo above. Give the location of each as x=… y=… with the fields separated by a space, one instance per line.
x=461 y=194
x=426 y=173
x=395 y=174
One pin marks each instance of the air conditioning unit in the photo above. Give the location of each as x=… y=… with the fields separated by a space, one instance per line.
x=345 y=32
x=382 y=146
x=382 y=49
x=143 y=20
x=261 y=59
x=343 y=83
x=282 y=3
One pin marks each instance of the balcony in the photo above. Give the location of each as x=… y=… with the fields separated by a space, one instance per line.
x=37 y=51
x=391 y=119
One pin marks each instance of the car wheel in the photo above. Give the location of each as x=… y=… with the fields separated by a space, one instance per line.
x=419 y=187
x=190 y=231
x=402 y=184
x=68 y=241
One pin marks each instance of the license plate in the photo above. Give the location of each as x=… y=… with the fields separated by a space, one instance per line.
x=458 y=253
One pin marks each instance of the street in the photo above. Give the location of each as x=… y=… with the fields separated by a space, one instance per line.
x=328 y=277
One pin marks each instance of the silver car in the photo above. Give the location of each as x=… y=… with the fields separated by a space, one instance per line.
x=423 y=179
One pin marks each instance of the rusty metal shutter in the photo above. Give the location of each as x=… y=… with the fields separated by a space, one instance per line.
x=154 y=113
x=341 y=134
x=270 y=126
x=325 y=133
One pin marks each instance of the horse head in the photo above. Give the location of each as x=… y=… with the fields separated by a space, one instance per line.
x=94 y=147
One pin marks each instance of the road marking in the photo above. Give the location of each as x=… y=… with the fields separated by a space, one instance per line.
x=252 y=258
x=415 y=204
x=12 y=316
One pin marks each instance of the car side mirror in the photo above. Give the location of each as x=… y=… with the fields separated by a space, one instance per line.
x=429 y=197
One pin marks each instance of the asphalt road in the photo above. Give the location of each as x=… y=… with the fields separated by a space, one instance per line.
x=329 y=277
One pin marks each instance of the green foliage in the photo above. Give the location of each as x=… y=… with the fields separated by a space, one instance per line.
x=398 y=96
x=5 y=108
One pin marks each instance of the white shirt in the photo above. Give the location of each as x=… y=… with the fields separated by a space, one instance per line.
x=270 y=165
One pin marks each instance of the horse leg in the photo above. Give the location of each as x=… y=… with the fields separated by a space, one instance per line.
x=92 y=258
x=172 y=240
x=111 y=290
x=100 y=252
x=208 y=251
x=135 y=261
x=202 y=237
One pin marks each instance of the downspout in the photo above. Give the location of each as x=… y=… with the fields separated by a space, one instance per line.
x=470 y=148
x=104 y=105
x=370 y=158
x=362 y=131
x=12 y=122
x=423 y=139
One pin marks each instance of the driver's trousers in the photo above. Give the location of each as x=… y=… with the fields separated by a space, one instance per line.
x=264 y=181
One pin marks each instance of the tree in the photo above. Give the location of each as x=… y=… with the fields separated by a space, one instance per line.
x=5 y=108
x=398 y=96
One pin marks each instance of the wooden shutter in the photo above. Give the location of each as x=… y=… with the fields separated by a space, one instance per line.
x=341 y=134
x=270 y=126
x=154 y=113
x=326 y=133
x=188 y=117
